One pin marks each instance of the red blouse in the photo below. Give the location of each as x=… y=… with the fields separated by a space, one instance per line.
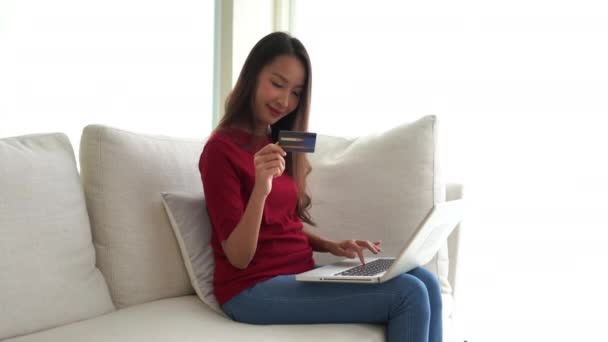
x=228 y=175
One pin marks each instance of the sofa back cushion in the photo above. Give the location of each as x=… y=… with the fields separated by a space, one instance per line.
x=47 y=260
x=378 y=187
x=123 y=175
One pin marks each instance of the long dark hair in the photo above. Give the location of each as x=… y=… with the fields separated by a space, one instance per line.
x=240 y=104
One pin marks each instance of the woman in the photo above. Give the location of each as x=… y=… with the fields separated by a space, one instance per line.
x=257 y=200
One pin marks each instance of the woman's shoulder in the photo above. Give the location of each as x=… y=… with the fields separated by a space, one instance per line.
x=217 y=138
x=223 y=138
x=234 y=140
x=222 y=154
x=217 y=143
x=217 y=151
x=222 y=144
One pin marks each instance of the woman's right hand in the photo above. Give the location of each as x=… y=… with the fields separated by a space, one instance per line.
x=269 y=162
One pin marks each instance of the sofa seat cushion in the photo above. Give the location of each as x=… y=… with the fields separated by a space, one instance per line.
x=47 y=260
x=187 y=319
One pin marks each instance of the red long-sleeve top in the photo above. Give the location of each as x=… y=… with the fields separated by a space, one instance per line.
x=228 y=175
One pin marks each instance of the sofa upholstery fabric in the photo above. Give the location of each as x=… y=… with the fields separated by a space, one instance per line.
x=47 y=260
x=378 y=187
x=187 y=319
x=123 y=174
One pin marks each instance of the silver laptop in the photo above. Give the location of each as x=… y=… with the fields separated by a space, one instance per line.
x=420 y=249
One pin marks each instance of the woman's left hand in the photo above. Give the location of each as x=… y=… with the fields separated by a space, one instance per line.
x=352 y=248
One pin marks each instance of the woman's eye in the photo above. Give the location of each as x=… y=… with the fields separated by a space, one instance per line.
x=296 y=94
x=276 y=84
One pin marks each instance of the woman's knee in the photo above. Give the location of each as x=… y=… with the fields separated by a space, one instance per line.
x=428 y=278
x=412 y=295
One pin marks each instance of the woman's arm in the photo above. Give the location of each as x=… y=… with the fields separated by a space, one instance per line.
x=317 y=242
x=242 y=242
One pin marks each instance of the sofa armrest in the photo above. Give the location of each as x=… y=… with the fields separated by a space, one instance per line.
x=454 y=191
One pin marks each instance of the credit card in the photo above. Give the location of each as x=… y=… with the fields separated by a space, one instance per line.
x=294 y=141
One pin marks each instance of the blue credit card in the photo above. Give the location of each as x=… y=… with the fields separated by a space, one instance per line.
x=293 y=141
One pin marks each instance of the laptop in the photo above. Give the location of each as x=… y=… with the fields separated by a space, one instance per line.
x=419 y=250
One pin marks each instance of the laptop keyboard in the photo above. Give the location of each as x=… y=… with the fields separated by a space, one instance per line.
x=369 y=269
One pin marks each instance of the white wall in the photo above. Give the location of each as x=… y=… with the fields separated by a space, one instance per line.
x=139 y=65
x=520 y=88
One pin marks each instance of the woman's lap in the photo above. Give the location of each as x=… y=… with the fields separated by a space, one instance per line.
x=283 y=300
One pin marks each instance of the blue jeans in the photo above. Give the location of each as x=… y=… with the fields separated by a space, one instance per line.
x=410 y=304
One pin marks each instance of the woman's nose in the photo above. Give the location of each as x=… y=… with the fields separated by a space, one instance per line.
x=284 y=100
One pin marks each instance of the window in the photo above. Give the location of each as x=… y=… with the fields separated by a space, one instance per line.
x=133 y=64
x=519 y=88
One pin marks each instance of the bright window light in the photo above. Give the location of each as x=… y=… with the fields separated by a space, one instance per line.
x=520 y=91
x=145 y=66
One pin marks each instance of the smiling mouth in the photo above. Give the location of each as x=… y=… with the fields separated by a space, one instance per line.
x=274 y=112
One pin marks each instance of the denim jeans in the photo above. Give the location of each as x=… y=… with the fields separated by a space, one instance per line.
x=409 y=304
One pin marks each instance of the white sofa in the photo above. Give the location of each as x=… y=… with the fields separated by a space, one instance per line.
x=91 y=255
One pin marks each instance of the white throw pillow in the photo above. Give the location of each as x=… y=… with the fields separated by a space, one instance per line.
x=123 y=173
x=187 y=213
x=48 y=276
x=378 y=187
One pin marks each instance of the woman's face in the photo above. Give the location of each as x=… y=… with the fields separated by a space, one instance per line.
x=279 y=86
